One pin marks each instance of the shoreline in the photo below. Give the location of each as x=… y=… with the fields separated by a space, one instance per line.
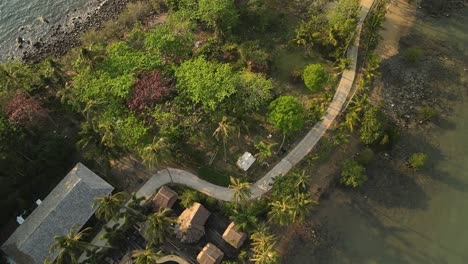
x=65 y=35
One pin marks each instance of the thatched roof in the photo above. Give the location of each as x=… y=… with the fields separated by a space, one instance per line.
x=165 y=198
x=69 y=203
x=191 y=223
x=234 y=237
x=210 y=254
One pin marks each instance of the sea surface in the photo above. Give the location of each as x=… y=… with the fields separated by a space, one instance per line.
x=33 y=20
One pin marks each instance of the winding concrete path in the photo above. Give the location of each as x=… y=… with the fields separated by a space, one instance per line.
x=304 y=147
x=177 y=176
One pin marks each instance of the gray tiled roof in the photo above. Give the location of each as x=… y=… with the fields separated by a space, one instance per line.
x=69 y=203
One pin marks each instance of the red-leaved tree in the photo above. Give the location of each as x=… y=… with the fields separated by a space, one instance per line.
x=24 y=110
x=150 y=88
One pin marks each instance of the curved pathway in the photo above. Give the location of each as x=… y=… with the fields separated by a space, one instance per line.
x=306 y=145
x=177 y=176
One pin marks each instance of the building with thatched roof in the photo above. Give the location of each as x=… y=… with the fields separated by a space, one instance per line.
x=234 y=237
x=69 y=203
x=210 y=254
x=191 y=223
x=165 y=198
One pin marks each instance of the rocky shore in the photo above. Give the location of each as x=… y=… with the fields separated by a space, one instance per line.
x=65 y=35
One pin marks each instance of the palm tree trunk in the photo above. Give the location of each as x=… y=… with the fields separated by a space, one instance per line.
x=224 y=147
x=282 y=143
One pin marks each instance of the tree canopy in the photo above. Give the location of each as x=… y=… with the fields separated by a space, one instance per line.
x=219 y=14
x=353 y=174
x=286 y=114
x=205 y=82
x=315 y=77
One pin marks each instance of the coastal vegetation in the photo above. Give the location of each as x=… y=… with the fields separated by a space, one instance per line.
x=207 y=77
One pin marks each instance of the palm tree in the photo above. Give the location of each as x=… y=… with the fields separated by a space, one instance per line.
x=301 y=206
x=302 y=180
x=155 y=153
x=244 y=218
x=264 y=150
x=264 y=246
x=158 y=226
x=223 y=131
x=241 y=190
x=146 y=256
x=70 y=246
x=351 y=119
x=110 y=206
x=282 y=211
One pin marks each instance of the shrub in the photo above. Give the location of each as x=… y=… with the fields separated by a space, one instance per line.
x=373 y=125
x=412 y=55
x=417 y=160
x=353 y=174
x=150 y=88
x=286 y=114
x=426 y=113
x=315 y=77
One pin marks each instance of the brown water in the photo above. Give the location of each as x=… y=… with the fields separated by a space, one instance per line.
x=416 y=217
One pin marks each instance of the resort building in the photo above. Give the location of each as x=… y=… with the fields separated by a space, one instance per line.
x=234 y=237
x=69 y=203
x=165 y=198
x=191 y=223
x=210 y=254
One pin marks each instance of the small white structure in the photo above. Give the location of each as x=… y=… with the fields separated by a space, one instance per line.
x=245 y=161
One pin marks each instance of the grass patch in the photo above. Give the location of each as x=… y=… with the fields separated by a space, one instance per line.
x=210 y=175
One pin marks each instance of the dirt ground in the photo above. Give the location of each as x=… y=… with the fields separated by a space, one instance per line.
x=398 y=20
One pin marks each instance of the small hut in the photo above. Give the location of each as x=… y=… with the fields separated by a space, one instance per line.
x=234 y=237
x=210 y=254
x=245 y=161
x=165 y=198
x=191 y=223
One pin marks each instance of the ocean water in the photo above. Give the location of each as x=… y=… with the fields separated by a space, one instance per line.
x=34 y=20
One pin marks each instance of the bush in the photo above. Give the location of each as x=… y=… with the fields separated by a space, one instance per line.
x=412 y=55
x=286 y=114
x=373 y=125
x=353 y=174
x=315 y=77
x=417 y=160
x=426 y=113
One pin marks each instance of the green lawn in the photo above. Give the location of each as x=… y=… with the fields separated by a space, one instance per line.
x=210 y=175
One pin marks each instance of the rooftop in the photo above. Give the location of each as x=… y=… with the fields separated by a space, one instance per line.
x=234 y=237
x=69 y=203
x=210 y=254
x=245 y=161
x=191 y=223
x=165 y=198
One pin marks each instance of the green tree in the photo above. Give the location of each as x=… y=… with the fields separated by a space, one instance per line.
x=171 y=45
x=110 y=206
x=286 y=114
x=254 y=91
x=222 y=15
x=146 y=256
x=373 y=125
x=70 y=246
x=223 y=131
x=417 y=160
x=282 y=211
x=206 y=82
x=263 y=150
x=315 y=77
x=158 y=226
x=156 y=153
x=241 y=190
x=245 y=218
x=353 y=174
x=188 y=197
x=264 y=243
x=302 y=203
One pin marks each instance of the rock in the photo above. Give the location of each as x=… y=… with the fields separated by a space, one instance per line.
x=19 y=40
x=37 y=45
